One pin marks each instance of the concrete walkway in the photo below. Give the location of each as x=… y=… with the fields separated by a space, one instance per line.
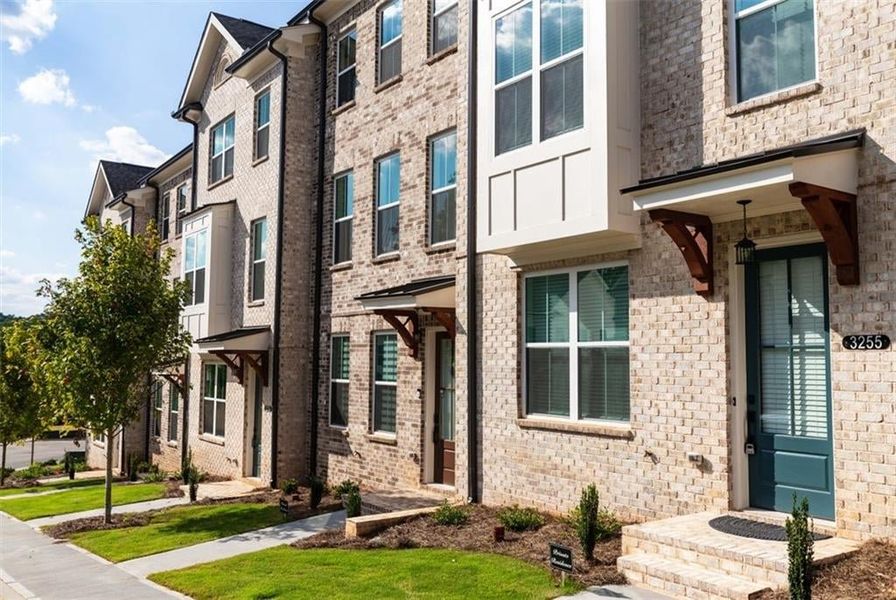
x=242 y=543
x=621 y=592
x=36 y=566
x=116 y=510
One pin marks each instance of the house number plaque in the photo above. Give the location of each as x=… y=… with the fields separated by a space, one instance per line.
x=866 y=341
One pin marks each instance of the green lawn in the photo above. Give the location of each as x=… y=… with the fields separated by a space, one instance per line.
x=75 y=500
x=178 y=527
x=286 y=572
x=49 y=487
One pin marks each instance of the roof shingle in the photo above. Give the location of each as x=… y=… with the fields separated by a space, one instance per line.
x=246 y=33
x=122 y=176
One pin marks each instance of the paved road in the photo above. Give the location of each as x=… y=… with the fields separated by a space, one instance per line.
x=35 y=565
x=18 y=457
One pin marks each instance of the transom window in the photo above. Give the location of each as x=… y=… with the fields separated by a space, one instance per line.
x=181 y=207
x=339 y=380
x=173 y=411
x=223 y=140
x=156 y=421
x=390 y=41
x=195 y=255
x=577 y=344
x=343 y=214
x=444 y=25
x=259 y=256
x=345 y=68
x=774 y=45
x=262 y=124
x=443 y=187
x=214 y=399
x=388 y=177
x=385 y=381
x=165 y=216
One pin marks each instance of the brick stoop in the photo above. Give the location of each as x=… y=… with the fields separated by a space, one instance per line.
x=685 y=558
x=385 y=501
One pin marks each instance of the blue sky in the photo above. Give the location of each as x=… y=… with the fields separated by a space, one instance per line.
x=79 y=81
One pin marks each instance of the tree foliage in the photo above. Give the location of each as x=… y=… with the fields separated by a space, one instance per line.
x=109 y=327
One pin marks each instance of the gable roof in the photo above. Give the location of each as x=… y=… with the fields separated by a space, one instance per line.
x=122 y=177
x=246 y=33
x=162 y=167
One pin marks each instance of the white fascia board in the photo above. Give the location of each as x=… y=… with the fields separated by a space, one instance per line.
x=256 y=342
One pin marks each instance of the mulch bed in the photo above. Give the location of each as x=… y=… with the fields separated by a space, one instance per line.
x=870 y=574
x=476 y=535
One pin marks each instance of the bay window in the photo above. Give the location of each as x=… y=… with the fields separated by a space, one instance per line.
x=388 y=178
x=222 y=145
x=577 y=344
x=339 y=380
x=385 y=382
x=343 y=214
x=195 y=256
x=214 y=399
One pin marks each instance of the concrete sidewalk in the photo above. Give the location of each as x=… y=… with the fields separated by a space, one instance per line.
x=241 y=543
x=620 y=592
x=116 y=510
x=37 y=566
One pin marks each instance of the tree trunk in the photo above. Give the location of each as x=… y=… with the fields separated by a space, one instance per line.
x=107 y=518
x=32 y=450
x=3 y=466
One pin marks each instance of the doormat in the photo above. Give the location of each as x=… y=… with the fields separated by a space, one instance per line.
x=754 y=529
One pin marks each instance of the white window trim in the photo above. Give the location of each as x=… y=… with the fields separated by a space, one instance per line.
x=376 y=383
x=254 y=262
x=353 y=65
x=157 y=409
x=215 y=401
x=258 y=128
x=184 y=271
x=734 y=15
x=433 y=191
x=349 y=217
x=376 y=192
x=173 y=391
x=333 y=380
x=536 y=115
x=572 y=344
x=222 y=125
x=432 y=24
x=381 y=45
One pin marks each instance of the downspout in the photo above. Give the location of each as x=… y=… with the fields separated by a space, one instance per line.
x=319 y=238
x=472 y=317
x=124 y=200
x=275 y=375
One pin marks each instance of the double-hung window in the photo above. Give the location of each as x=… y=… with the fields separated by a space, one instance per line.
x=181 y=208
x=165 y=216
x=345 y=68
x=173 y=411
x=443 y=187
x=390 y=41
x=214 y=399
x=195 y=256
x=339 y=381
x=343 y=213
x=259 y=254
x=385 y=381
x=513 y=79
x=262 y=124
x=156 y=421
x=561 y=67
x=577 y=355
x=388 y=177
x=223 y=139
x=444 y=25
x=775 y=45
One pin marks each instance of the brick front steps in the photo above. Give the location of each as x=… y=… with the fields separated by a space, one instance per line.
x=685 y=558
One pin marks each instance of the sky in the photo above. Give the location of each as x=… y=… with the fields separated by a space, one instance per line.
x=79 y=81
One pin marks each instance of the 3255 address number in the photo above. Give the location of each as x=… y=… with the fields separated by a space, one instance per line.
x=866 y=341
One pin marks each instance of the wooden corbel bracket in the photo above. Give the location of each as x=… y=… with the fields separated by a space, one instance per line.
x=237 y=361
x=405 y=323
x=177 y=380
x=445 y=317
x=693 y=235
x=835 y=215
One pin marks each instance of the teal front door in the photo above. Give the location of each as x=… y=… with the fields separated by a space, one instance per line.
x=788 y=382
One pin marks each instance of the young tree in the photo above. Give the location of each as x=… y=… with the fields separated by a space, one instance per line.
x=23 y=411
x=109 y=327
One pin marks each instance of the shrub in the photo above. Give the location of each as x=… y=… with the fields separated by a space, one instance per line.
x=352 y=503
x=80 y=466
x=516 y=518
x=800 y=550
x=289 y=486
x=345 y=488
x=585 y=519
x=451 y=514
x=33 y=472
x=155 y=475
x=193 y=476
x=318 y=488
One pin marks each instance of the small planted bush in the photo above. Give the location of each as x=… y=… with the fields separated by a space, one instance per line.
x=591 y=522
x=451 y=514
x=516 y=518
x=800 y=550
x=344 y=488
x=193 y=477
x=289 y=486
x=33 y=472
x=352 y=503
x=318 y=489
x=155 y=475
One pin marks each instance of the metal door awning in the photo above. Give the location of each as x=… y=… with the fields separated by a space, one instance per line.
x=239 y=348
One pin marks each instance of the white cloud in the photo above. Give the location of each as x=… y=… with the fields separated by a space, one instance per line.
x=124 y=144
x=18 y=291
x=7 y=253
x=88 y=108
x=35 y=20
x=9 y=138
x=47 y=87
x=39 y=215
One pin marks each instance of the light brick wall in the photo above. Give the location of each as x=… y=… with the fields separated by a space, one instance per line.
x=429 y=99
